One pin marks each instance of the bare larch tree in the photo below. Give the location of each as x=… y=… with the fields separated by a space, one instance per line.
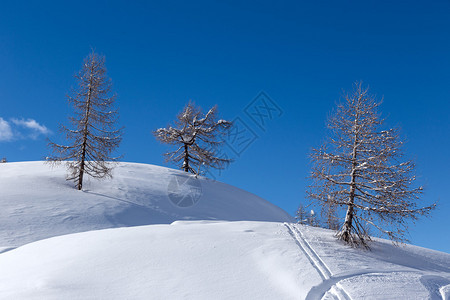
x=93 y=136
x=197 y=138
x=361 y=170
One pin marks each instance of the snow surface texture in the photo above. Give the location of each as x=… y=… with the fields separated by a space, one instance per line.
x=37 y=202
x=259 y=256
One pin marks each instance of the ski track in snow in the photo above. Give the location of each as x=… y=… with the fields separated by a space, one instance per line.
x=335 y=288
x=331 y=287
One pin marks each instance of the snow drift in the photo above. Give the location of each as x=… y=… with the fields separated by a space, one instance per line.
x=37 y=202
x=218 y=243
x=219 y=260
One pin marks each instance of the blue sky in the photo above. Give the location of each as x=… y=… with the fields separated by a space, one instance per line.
x=301 y=54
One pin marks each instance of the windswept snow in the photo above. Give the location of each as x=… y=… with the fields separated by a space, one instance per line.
x=221 y=243
x=37 y=202
x=219 y=260
x=186 y=260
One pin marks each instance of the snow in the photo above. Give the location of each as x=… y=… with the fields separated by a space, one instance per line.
x=386 y=272
x=37 y=202
x=194 y=260
x=229 y=244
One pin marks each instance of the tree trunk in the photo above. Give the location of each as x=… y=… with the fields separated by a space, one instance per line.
x=346 y=231
x=80 y=177
x=85 y=134
x=186 y=158
x=347 y=227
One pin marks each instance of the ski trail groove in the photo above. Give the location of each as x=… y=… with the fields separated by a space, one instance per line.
x=300 y=244
x=317 y=263
x=320 y=263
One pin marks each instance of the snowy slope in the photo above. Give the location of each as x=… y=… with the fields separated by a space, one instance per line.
x=37 y=202
x=192 y=260
x=192 y=252
x=219 y=260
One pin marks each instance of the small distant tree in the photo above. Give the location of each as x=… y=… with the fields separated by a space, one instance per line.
x=329 y=214
x=361 y=169
x=301 y=215
x=197 y=138
x=93 y=136
x=306 y=217
x=312 y=219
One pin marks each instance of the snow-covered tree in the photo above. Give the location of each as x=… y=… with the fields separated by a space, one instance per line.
x=301 y=215
x=93 y=136
x=197 y=139
x=361 y=169
x=306 y=217
x=312 y=219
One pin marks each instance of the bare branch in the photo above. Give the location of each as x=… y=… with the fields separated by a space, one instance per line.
x=197 y=137
x=361 y=170
x=93 y=138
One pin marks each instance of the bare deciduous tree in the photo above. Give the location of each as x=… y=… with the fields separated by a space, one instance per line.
x=196 y=137
x=361 y=169
x=93 y=136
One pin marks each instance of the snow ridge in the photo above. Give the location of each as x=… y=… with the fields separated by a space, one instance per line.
x=37 y=202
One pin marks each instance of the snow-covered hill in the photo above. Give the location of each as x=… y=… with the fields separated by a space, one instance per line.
x=37 y=202
x=193 y=250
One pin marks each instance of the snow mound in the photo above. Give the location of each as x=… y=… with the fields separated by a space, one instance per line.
x=187 y=260
x=187 y=247
x=219 y=260
x=37 y=202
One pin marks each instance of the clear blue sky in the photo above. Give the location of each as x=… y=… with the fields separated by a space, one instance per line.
x=301 y=53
